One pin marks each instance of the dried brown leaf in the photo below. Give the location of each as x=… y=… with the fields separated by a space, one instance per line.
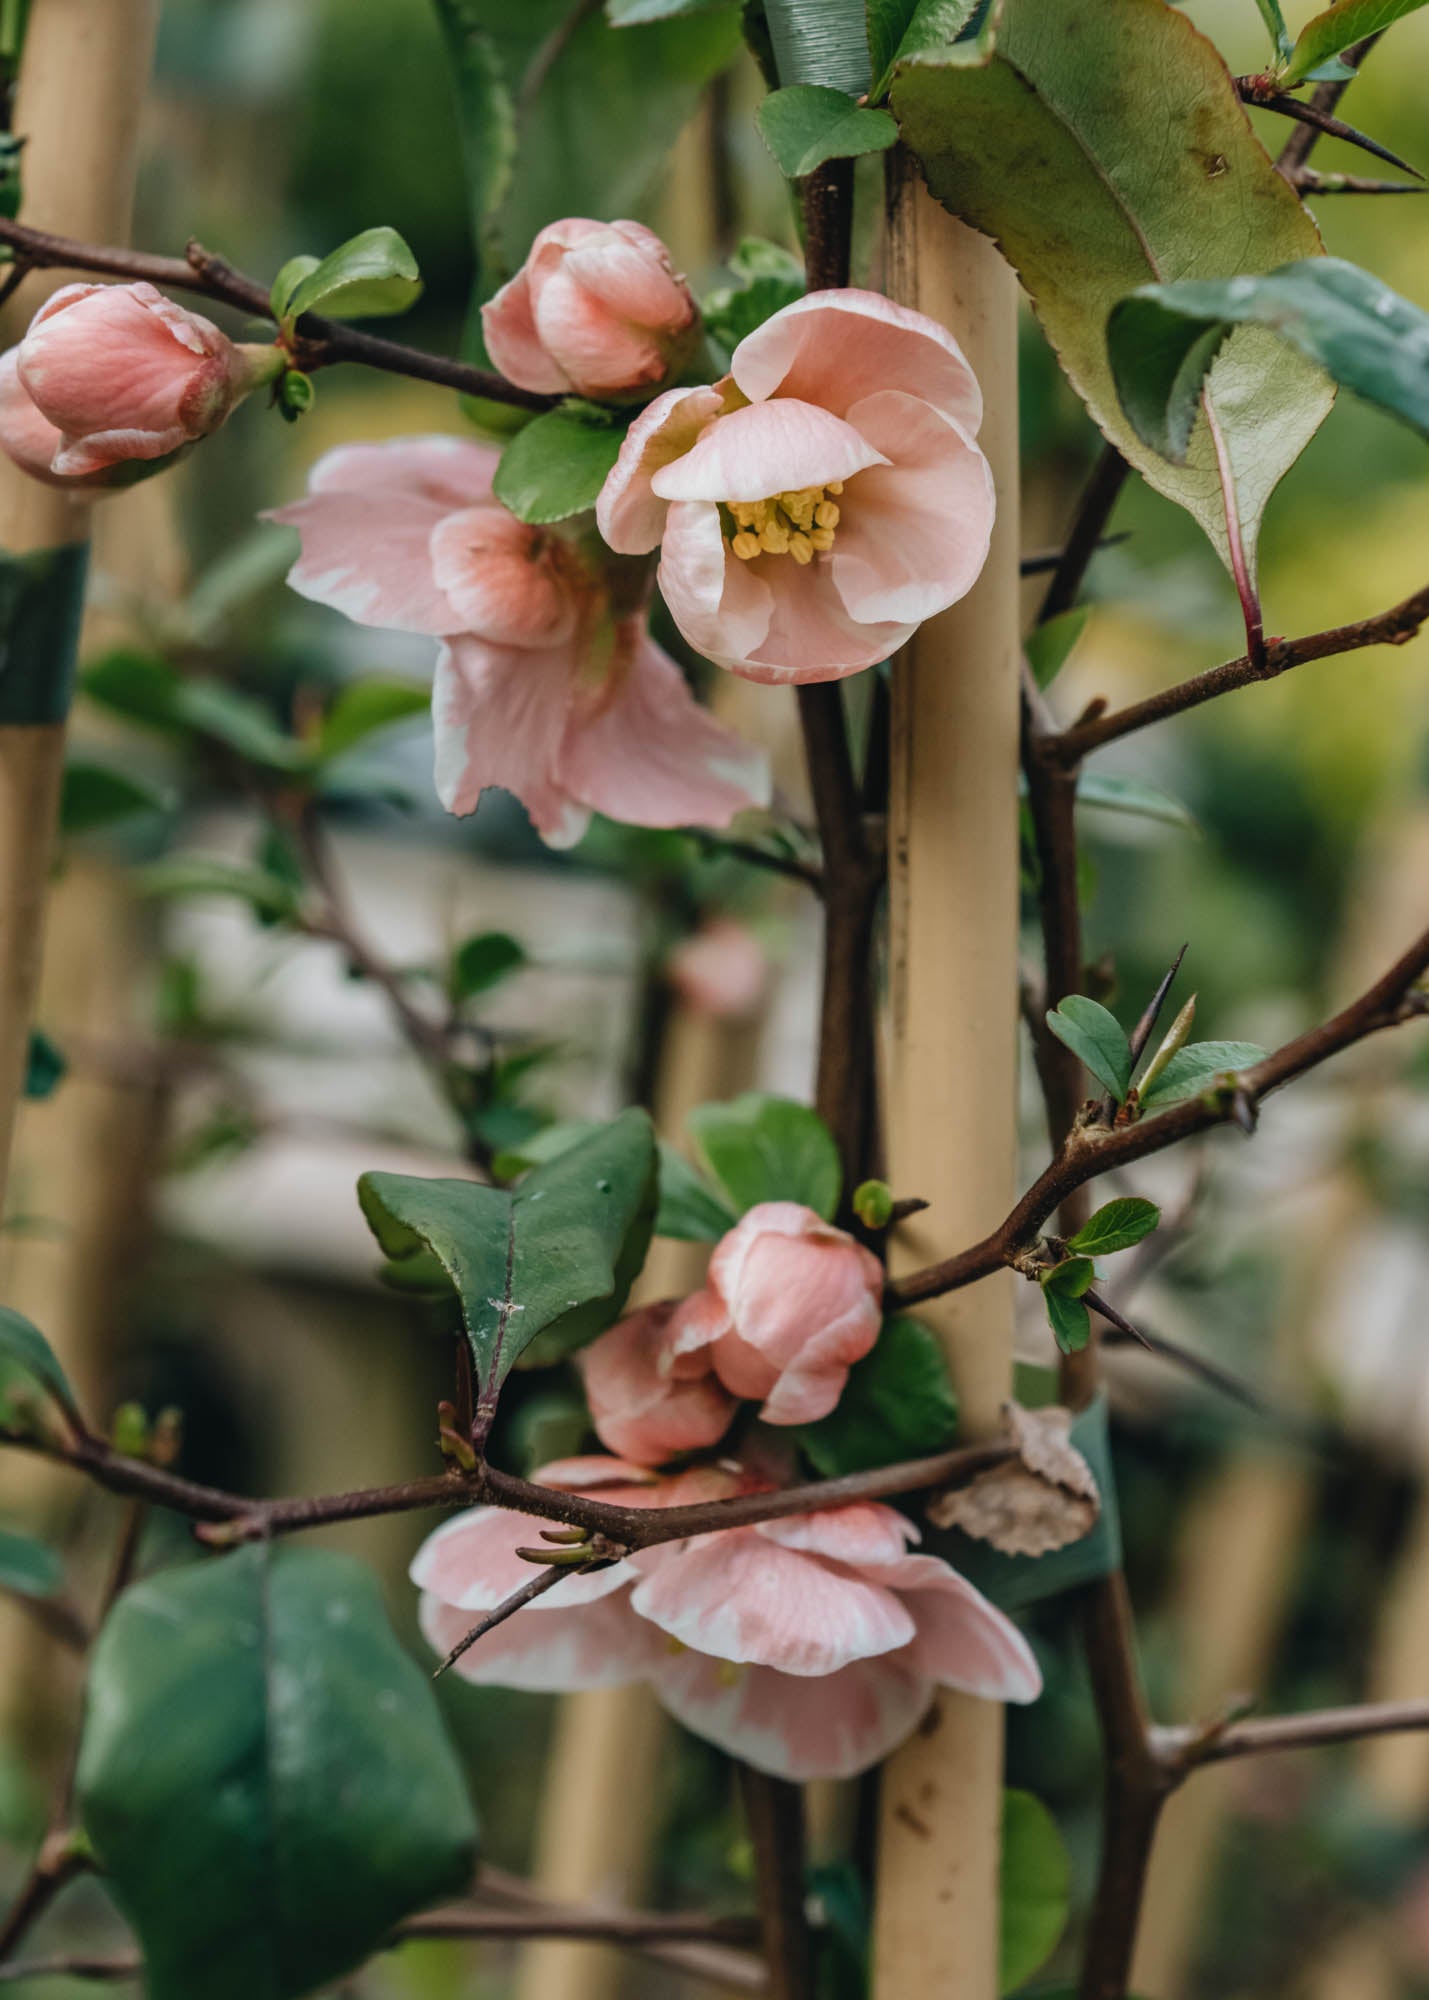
x=1039 y=1501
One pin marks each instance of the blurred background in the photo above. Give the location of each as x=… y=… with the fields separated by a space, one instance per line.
x=217 y=1066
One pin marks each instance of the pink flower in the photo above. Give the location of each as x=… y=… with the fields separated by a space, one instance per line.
x=720 y=970
x=596 y=309
x=547 y=682
x=112 y=374
x=814 y=507
x=648 y=1403
x=789 y=1305
x=809 y=1646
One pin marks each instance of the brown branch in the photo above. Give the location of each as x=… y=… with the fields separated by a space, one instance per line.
x=774 y=1812
x=1087 y=533
x=1188 y=1748
x=806 y=872
x=1306 y=181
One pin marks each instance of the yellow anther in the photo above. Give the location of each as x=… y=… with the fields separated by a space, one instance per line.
x=745 y=545
x=801 y=549
x=833 y=486
x=822 y=539
x=774 y=538
x=826 y=514
x=799 y=523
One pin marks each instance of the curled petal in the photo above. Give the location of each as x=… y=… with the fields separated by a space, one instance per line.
x=27 y=436
x=866 y=1532
x=508 y=326
x=763 y=449
x=640 y=1406
x=498 y=579
x=963 y=1641
x=629 y=515
x=811 y=636
x=721 y=605
x=500 y=715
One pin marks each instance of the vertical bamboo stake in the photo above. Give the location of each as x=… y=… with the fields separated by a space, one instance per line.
x=952 y=1083
x=82 y=83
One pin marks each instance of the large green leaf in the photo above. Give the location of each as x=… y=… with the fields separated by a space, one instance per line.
x=553 y=1257
x=556 y=466
x=373 y=703
x=899 y=1403
x=1339 y=27
x=41 y=603
x=100 y=795
x=807 y=124
x=1095 y=1035
x=1164 y=338
x=900 y=30
x=264 y=1774
x=762 y=1148
x=1103 y=147
x=1036 y=1887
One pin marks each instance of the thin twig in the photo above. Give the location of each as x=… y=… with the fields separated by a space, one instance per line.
x=1192 y=1747
x=1306 y=181
x=535 y=1586
x=1086 y=534
x=806 y=872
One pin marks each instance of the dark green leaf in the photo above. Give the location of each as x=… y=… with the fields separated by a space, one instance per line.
x=370 y=276
x=1070 y=1278
x=805 y=125
x=557 y=465
x=690 y=1209
x=483 y=961
x=1049 y=646
x=1339 y=27
x=1116 y=1226
x=1069 y=1319
x=1106 y=791
x=762 y=1148
x=931 y=30
x=1164 y=338
x=41 y=605
x=368 y=705
x=28 y=1567
x=264 y=1774
x=97 y=795
x=820 y=41
x=767 y=280
x=1196 y=1067
x=1103 y=147
x=555 y=1256
x=296 y=394
x=22 y=1343
x=1097 y=1038
x=45 y=1066
x=1036 y=1887
x=899 y=1403
x=234 y=718
x=268 y=895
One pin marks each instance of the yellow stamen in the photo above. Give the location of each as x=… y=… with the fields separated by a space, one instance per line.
x=833 y=486
x=822 y=539
x=801 y=549
x=745 y=545
x=799 y=523
x=826 y=514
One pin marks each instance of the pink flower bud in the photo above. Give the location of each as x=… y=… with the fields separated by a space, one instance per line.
x=790 y=1304
x=120 y=373
x=646 y=1402
x=597 y=309
x=720 y=970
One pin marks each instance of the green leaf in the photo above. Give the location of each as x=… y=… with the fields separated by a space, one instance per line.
x=944 y=30
x=1164 y=338
x=1069 y=1319
x=371 y=276
x=1275 y=26
x=762 y=1148
x=28 y=1567
x=555 y=1256
x=1097 y=1038
x=899 y=1403
x=97 y=795
x=1071 y=1278
x=1339 y=27
x=368 y=705
x=292 y=274
x=1049 y=646
x=1107 y=792
x=873 y=1204
x=690 y=1209
x=557 y=465
x=267 y=894
x=767 y=279
x=1116 y=1226
x=1102 y=147
x=45 y=1067
x=483 y=961
x=1036 y=1887
x=806 y=124
x=264 y=1774
x=1196 y=1067
x=41 y=605
x=820 y=41
x=148 y=690
x=22 y=1343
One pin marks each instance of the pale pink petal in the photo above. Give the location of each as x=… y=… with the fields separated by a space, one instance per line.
x=629 y=269
x=795 y=1728
x=720 y=970
x=639 y=1406
x=471 y=1561
x=722 y=605
x=122 y=362
x=28 y=437
x=595 y=1472
x=741 y=1597
x=643 y=750
x=77 y=457
x=454 y=472
x=963 y=1641
x=508 y=327
x=600 y=352
x=744 y=1369
x=500 y=715
x=914 y=535
x=584 y=1646
x=369 y=557
x=628 y=514
x=866 y=1532
x=763 y=449
x=832 y=346
x=811 y=637
x=698 y=1321
x=500 y=578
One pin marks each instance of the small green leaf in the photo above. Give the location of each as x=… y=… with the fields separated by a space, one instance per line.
x=229 y=716
x=557 y=465
x=762 y=1148
x=898 y=1403
x=941 y=31
x=22 y=1343
x=690 y=1210
x=28 y=1567
x=1162 y=340
x=1036 y=1887
x=280 y=298
x=371 y=276
x=98 y=795
x=873 y=1204
x=1116 y=1226
x=1339 y=27
x=368 y=705
x=1109 y=792
x=805 y=125
x=1070 y=1278
x=483 y=961
x=269 y=896
x=296 y=394
x=264 y=1774
x=1196 y=1067
x=1275 y=25
x=1048 y=646
x=1070 y=1321
x=1097 y=1038
x=45 y=1066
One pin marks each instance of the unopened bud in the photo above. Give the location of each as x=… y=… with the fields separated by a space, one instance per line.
x=129 y=1432
x=1171 y=1041
x=873 y=1204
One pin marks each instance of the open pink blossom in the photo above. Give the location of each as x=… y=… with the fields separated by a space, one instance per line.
x=809 y=1646
x=115 y=375
x=789 y=1305
x=597 y=308
x=720 y=970
x=547 y=681
x=815 y=506
x=647 y=1402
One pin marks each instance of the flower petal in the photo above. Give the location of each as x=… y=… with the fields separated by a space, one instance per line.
x=811 y=636
x=763 y=449
x=639 y=1406
x=628 y=514
x=831 y=346
x=454 y=471
x=721 y=605
x=502 y=584
x=585 y=1646
x=914 y=535
x=471 y=1562
x=595 y=1473
x=27 y=435
x=602 y=353
x=741 y=1597
x=368 y=556
x=963 y=1641
x=500 y=715
x=866 y=1532
x=508 y=326
x=795 y=1728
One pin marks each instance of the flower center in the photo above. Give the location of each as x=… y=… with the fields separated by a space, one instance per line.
x=799 y=524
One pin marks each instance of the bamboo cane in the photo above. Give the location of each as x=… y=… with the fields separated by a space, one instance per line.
x=952 y=1084
x=82 y=84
